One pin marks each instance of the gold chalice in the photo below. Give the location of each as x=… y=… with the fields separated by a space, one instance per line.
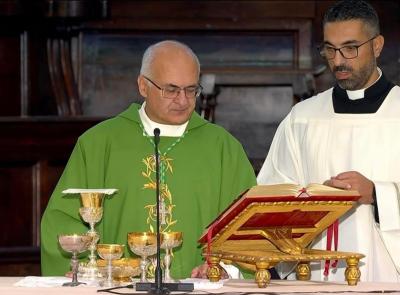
x=169 y=240
x=110 y=252
x=75 y=244
x=91 y=212
x=143 y=244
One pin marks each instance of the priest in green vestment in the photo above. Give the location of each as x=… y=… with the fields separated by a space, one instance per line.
x=203 y=167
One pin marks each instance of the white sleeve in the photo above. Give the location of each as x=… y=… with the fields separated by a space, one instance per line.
x=388 y=201
x=232 y=271
x=391 y=239
x=283 y=163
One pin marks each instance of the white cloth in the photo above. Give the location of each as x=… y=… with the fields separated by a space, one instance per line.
x=232 y=271
x=314 y=143
x=204 y=284
x=35 y=282
x=106 y=191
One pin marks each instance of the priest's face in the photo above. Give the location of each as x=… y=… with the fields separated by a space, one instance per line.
x=356 y=42
x=170 y=70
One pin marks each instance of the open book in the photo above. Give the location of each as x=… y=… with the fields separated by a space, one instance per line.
x=270 y=224
x=288 y=191
x=281 y=216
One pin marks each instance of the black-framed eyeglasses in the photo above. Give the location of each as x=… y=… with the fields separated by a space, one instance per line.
x=347 y=51
x=172 y=91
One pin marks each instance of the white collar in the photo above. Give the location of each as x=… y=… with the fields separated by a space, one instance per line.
x=358 y=94
x=165 y=130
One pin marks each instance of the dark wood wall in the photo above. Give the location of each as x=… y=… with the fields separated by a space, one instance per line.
x=59 y=76
x=33 y=152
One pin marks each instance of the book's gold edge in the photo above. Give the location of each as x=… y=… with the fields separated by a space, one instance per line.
x=290 y=189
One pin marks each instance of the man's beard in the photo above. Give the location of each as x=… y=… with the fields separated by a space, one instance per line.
x=358 y=80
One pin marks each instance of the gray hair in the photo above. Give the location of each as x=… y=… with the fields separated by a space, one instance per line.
x=150 y=54
x=353 y=10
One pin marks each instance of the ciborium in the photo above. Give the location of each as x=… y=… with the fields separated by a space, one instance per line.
x=169 y=240
x=91 y=211
x=75 y=244
x=123 y=270
x=143 y=244
x=110 y=252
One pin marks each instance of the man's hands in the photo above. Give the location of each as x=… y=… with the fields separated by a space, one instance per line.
x=201 y=272
x=353 y=180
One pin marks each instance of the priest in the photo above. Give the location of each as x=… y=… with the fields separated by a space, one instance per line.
x=347 y=137
x=203 y=168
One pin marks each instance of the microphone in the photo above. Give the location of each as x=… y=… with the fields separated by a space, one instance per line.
x=158 y=273
x=160 y=288
x=156 y=138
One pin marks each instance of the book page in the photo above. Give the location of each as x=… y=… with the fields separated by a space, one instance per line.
x=316 y=189
x=283 y=189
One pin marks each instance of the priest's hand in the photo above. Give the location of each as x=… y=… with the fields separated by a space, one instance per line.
x=353 y=180
x=200 y=272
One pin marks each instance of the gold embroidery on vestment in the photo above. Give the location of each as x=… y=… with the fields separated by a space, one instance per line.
x=166 y=205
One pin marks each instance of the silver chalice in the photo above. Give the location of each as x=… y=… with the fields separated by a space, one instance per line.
x=75 y=244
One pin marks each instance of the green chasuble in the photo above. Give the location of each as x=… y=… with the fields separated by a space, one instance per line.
x=203 y=173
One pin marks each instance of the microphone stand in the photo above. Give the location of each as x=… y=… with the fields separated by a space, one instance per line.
x=158 y=287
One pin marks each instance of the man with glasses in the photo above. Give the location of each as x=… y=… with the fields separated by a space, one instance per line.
x=202 y=167
x=347 y=138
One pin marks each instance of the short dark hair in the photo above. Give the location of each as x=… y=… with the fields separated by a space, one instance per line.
x=353 y=10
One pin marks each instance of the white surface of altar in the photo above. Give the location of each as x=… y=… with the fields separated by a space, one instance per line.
x=8 y=287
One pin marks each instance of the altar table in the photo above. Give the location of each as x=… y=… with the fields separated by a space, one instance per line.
x=238 y=287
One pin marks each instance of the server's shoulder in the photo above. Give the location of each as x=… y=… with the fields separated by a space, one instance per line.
x=314 y=104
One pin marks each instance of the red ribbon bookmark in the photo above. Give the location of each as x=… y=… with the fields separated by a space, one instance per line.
x=333 y=231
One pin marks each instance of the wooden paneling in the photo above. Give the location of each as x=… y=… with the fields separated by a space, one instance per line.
x=33 y=153
x=50 y=138
x=199 y=15
x=211 y=9
x=9 y=7
x=16 y=204
x=10 y=75
x=19 y=261
x=54 y=8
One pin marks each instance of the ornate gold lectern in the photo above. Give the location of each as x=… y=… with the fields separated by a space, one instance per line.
x=276 y=223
